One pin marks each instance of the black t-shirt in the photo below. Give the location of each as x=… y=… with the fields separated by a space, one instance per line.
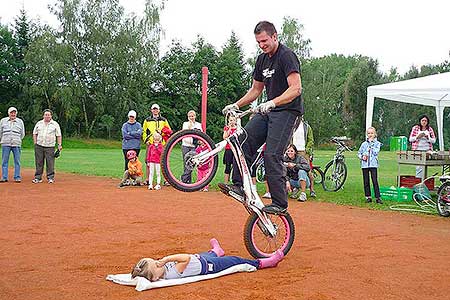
x=273 y=71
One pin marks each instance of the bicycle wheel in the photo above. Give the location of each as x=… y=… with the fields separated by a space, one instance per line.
x=260 y=171
x=258 y=241
x=443 y=201
x=334 y=176
x=317 y=175
x=185 y=173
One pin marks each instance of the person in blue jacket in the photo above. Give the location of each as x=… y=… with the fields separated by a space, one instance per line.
x=131 y=136
x=368 y=154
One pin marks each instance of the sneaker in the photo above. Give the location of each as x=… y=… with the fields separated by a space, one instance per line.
x=165 y=183
x=232 y=190
x=368 y=200
x=313 y=194
x=157 y=187
x=205 y=190
x=3 y=180
x=267 y=195
x=36 y=180
x=274 y=209
x=150 y=186
x=295 y=193
x=51 y=180
x=378 y=200
x=302 y=197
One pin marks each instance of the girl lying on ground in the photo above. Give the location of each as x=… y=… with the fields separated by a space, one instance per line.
x=186 y=265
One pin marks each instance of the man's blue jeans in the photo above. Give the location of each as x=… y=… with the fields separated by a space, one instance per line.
x=6 y=150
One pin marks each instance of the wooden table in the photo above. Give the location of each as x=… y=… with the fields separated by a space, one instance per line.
x=422 y=158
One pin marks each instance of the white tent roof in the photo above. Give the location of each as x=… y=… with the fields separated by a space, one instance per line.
x=433 y=90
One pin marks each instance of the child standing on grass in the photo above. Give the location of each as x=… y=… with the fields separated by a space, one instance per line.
x=153 y=161
x=368 y=154
x=133 y=175
x=202 y=170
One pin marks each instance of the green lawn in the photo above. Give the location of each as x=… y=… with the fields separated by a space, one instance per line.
x=109 y=163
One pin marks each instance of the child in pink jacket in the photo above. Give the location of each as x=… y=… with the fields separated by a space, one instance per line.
x=202 y=170
x=153 y=161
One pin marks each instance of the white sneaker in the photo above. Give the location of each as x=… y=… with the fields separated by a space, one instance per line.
x=157 y=187
x=302 y=197
x=150 y=186
x=267 y=195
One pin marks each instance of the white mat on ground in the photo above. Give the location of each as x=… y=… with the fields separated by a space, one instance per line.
x=143 y=284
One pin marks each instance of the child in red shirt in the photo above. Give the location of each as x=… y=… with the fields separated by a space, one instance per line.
x=153 y=161
x=228 y=155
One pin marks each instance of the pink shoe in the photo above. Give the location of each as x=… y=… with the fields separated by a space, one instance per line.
x=215 y=247
x=271 y=261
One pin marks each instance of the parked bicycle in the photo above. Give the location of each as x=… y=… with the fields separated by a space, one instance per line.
x=263 y=233
x=316 y=171
x=258 y=165
x=443 y=199
x=335 y=172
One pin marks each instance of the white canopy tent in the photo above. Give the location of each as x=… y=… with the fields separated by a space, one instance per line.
x=433 y=90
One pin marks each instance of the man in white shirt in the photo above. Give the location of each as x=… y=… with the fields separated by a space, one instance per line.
x=46 y=133
x=12 y=131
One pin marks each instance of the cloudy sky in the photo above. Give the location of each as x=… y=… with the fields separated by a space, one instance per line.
x=399 y=33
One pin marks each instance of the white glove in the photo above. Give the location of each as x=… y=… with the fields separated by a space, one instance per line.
x=265 y=107
x=230 y=107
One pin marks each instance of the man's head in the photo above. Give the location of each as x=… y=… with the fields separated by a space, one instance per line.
x=155 y=110
x=266 y=37
x=12 y=113
x=47 y=115
x=147 y=268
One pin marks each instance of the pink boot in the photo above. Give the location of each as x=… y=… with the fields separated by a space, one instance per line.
x=271 y=261
x=215 y=247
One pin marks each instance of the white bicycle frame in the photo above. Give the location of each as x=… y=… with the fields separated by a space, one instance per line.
x=252 y=199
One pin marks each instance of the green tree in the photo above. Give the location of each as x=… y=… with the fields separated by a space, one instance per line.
x=292 y=36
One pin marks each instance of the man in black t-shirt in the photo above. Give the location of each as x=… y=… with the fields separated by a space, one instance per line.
x=277 y=70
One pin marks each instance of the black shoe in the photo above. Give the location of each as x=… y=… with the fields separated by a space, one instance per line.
x=274 y=209
x=379 y=201
x=232 y=190
x=3 y=180
x=368 y=200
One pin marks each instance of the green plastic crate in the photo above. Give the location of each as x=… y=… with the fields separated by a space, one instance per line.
x=395 y=194
x=398 y=143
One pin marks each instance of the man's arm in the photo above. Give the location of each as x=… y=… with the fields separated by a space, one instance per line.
x=252 y=94
x=59 y=140
x=293 y=91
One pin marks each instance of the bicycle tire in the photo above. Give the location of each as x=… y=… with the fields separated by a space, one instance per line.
x=317 y=175
x=334 y=178
x=443 y=207
x=260 y=244
x=173 y=164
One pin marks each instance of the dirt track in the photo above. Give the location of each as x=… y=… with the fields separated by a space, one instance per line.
x=60 y=241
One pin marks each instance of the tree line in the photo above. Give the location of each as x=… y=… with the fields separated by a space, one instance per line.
x=100 y=63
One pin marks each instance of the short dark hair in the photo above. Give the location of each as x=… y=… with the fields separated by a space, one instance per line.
x=266 y=26
x=47 y=110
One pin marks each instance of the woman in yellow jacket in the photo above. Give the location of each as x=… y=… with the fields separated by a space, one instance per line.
x=155 y=123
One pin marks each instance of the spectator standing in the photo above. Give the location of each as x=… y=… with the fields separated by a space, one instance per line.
x=131 y=136
x=154 y=161
x=303 y=139
x=187 y=144
x=12 y=131
x=154 y=124
x=228 y=155
x=46 y=134
x=422 y=138
x=368 y=154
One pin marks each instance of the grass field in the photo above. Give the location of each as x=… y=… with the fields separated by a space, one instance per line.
x=109 y=162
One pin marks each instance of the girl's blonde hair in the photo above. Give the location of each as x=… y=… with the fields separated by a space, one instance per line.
x=192 y=111
x=374 y=130
x=157 y=136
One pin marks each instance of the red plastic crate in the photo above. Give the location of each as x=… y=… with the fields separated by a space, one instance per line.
x=411 y=181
